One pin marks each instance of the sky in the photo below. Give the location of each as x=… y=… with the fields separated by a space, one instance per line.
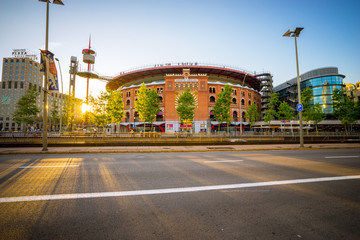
x=241 y=33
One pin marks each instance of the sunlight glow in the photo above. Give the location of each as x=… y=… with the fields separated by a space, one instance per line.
x=85 y=108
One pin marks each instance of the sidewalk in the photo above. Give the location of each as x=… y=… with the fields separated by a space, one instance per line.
x=159 y=149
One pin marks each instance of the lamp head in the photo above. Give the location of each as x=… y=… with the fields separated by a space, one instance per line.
x=58 y=2
x=288 y=33
x=54 y=2
x=297 y=31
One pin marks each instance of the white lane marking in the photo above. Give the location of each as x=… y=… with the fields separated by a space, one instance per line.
x=342 y=157
x=170 y=190
x=225 y=161
x=58 y=166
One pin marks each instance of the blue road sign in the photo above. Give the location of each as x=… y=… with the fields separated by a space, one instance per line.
x=299 y=107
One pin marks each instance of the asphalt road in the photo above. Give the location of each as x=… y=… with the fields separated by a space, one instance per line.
x=312 y=194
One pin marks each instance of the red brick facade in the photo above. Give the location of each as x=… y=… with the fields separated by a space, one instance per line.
x=205 y=94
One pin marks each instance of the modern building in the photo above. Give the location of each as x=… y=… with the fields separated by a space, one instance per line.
x=323 y=82
x=353 y=91
x=204 y=81
x=19 y=73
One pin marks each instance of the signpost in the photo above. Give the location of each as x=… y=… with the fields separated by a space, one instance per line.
x=299 y=107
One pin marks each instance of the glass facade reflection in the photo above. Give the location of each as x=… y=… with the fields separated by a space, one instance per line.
x=323 y=82
x=323 y=88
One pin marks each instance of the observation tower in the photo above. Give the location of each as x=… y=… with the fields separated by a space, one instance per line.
x=88 y=58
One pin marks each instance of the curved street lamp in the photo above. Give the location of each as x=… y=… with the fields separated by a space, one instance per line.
x=296 y=34
x=46 y=87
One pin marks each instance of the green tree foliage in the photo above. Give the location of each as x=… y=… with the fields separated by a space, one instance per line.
x=317 y=115
x=186 y=106
x=115 y=106
x=54 y=112
x=345 y=109
x=285 y=112
x=223 y=102
x=68 y=112
x=98 y=110
x=311 y=112
x=147 y=104
x=221 y=109
x=271 y=113
x=306 y=100
x=26 y=110
x=252 y=114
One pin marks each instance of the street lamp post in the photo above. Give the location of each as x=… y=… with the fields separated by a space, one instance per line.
x=46 y=80
x=296 y=34
x=241 y=131
x=62 y=96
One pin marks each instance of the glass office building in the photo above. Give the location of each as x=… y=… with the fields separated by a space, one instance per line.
x=323 y=82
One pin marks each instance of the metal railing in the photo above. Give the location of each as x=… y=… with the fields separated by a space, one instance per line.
x=164 y=135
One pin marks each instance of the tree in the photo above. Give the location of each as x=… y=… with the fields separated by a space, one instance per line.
x=186 y=106
x=147 y=104
x=252 y=114
x=221 y=109
x=311 y=112
x=152 y=106
x=115 y=106
x=306 y=100
x=285 y=112
x=344 y=109
x=97 y=110
x=54 y=112
x=271 y=113
x=317 y=115
x=68 y=112
x=26 y=110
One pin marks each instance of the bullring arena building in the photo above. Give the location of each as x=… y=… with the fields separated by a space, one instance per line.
x=170 y=80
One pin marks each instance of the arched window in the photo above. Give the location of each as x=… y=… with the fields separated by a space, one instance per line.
x=136 y=117
x=212 y=99
x=243 y=117
x=160 y=116
x=234 y=100
x=242 y=102
x=249 y=103
x=127 y=117
x=235 y=116
x=160 y=99
x=128 y=102
x=211 y=116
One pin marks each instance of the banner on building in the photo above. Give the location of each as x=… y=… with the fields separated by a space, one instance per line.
x=47 y=61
